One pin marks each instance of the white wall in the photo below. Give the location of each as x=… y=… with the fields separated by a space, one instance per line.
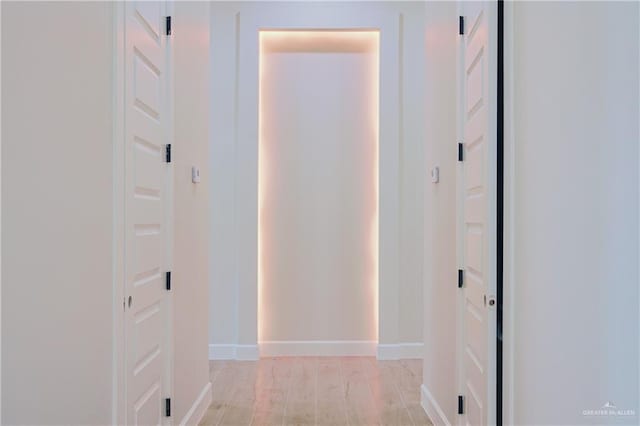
x=318 y=186
x=412 y=166
x=57 y=194
x=191 y=209
x=440 y=293
x=223 y=303
x=575 y=211
x=231 y=321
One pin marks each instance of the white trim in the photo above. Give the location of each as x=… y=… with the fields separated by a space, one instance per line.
x=400 y=351
x=432 y=408
x=199 y=407
x=232 y=351
x=118 y=406
x=458 y=384
x=247 y=352
x=169 y=202
x=318 y=348
x=508 y=285
x=222 y=352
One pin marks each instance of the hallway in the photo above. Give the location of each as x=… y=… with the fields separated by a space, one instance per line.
x=320 y=212
x=316 y=390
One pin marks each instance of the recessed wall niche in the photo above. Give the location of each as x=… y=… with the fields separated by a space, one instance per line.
x=318 y=186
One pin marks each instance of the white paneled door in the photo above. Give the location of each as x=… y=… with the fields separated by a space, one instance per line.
x=477 y=212
x=147 y=130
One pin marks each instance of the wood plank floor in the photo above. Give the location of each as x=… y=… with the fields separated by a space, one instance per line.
x=316 y=391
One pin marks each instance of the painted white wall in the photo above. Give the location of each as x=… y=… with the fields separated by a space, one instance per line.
x=223 y=294
x=440 y=293
x=57 y=214
x=191 y=211
x=412 y=166
x=318 y=186
x=230 y=322
x=223 y=302
x=575 y=211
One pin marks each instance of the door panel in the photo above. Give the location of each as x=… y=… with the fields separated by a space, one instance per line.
x=147 y=129
x=478 y=204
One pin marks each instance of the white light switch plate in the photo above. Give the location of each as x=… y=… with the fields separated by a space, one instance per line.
x=195 y=174
x=435 y=175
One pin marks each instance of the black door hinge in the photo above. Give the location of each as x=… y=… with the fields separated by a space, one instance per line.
x=461 y=25
x=460 y=404
x=167 y=407
x=460 y=151
x=167 y=153
x=168 y=25
x=460 y=278
x=167 y=280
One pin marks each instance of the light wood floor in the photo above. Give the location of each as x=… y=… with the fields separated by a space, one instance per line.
x=316 y=391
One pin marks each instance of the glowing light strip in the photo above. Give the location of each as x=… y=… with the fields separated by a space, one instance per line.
x=375 y=112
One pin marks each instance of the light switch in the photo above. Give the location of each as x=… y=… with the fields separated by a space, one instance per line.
x=435 y=175
x=195 y=174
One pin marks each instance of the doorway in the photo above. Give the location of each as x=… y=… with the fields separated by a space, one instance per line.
x=380 y=315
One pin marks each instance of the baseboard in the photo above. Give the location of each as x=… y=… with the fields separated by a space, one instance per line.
x=400 y=351
x=247 y=352
x=237 y=352
x=199 y=407
x=318 y=348
x=222 y=352
x=431 y=407
x=315 y=348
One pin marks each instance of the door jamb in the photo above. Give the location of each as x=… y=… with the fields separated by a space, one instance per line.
x=118 y=404
x=500 y=211
x=458 y=202
x=508 y=206
x=169 y=212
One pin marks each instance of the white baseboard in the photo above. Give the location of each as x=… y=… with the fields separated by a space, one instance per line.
x=400 y=351
x=237 y=352
x=247 y=352
x=199 y=407
x=318 y=348
x=432 y=408
x=222 y=352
